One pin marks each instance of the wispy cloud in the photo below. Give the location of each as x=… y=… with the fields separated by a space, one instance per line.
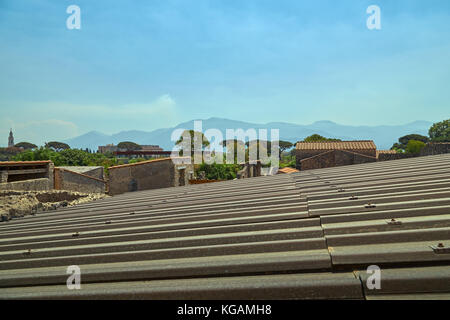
x=68 y=119
x=39 y=131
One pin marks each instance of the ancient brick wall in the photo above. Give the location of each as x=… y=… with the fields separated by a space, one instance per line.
x=305 y=154
x=429 y=150
x=323 y=160
x=148 y=175
x=395 y=156
x=42 y=184
x=334 y=158
x=345 y=158
x=72 y=181
x=250 y=170
x=435 y=148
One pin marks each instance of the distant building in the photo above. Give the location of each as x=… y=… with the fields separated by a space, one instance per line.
x=113 y=148
x=151 y=148
x=324 y=154
x=10 y=139
x=108 y=148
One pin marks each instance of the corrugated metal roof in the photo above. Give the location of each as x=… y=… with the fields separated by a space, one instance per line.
x=336 y=145
x=297 y=236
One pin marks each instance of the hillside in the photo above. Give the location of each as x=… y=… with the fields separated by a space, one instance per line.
x=384 y=136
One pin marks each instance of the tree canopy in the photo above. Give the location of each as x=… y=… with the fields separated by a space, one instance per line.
x=26 y=145
x=193 y=137
x=318 y=137
x=219 y=171
x=403 y=141
x=440 y=131
x=414 y=146
x=68 y=157
x=129 y=146
x=284 y=145
x=57 y=146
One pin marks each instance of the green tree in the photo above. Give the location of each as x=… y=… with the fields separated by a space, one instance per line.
x=57 y=146
x=440 y=132
x=284 y=145
x=219 y=171
x=417 y=137
x=194 y=138
x=317 y=138
x=26 y=145
x=403 y=141
x=237 y=145
x=262 y=147
x=414 y=146
x=129 y=146
x=40 y=154
x=74 y=157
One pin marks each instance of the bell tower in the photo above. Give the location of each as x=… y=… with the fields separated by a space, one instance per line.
x=11 y=139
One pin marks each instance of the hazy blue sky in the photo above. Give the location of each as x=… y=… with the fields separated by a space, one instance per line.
x=150 y=64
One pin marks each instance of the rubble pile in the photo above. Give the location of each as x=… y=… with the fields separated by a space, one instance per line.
x=17 y=204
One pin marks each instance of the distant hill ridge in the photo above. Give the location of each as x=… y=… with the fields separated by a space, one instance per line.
x=384 y=136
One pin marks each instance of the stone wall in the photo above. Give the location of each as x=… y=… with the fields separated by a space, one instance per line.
x=16 y=171
x=73 y=181
x=97 y=172
x=153 y=174
x=250 y=170
x=435 y=148
x=395 y=156
x=334 y=158
x=306 y=154
x=42 y=184
x=344 y=158
x=429 y=150
x=322 y=160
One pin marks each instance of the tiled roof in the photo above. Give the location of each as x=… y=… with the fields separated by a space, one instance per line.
x=287 y=170
x=336 y=145
x=386 y=152
x=305 y=235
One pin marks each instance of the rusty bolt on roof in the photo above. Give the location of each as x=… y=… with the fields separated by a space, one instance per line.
x=370 y=205
x=441 y=249
x=76 y=234
x=394 y=222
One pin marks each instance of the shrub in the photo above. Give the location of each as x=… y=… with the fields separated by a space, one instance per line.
x=219 y=171
x=415 y=146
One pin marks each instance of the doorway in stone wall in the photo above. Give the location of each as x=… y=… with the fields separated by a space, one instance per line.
x=181 y=177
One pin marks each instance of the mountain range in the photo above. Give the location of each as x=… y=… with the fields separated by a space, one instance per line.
x=384 y=135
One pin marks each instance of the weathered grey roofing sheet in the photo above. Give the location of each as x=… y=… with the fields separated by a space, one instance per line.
x=298 y=236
